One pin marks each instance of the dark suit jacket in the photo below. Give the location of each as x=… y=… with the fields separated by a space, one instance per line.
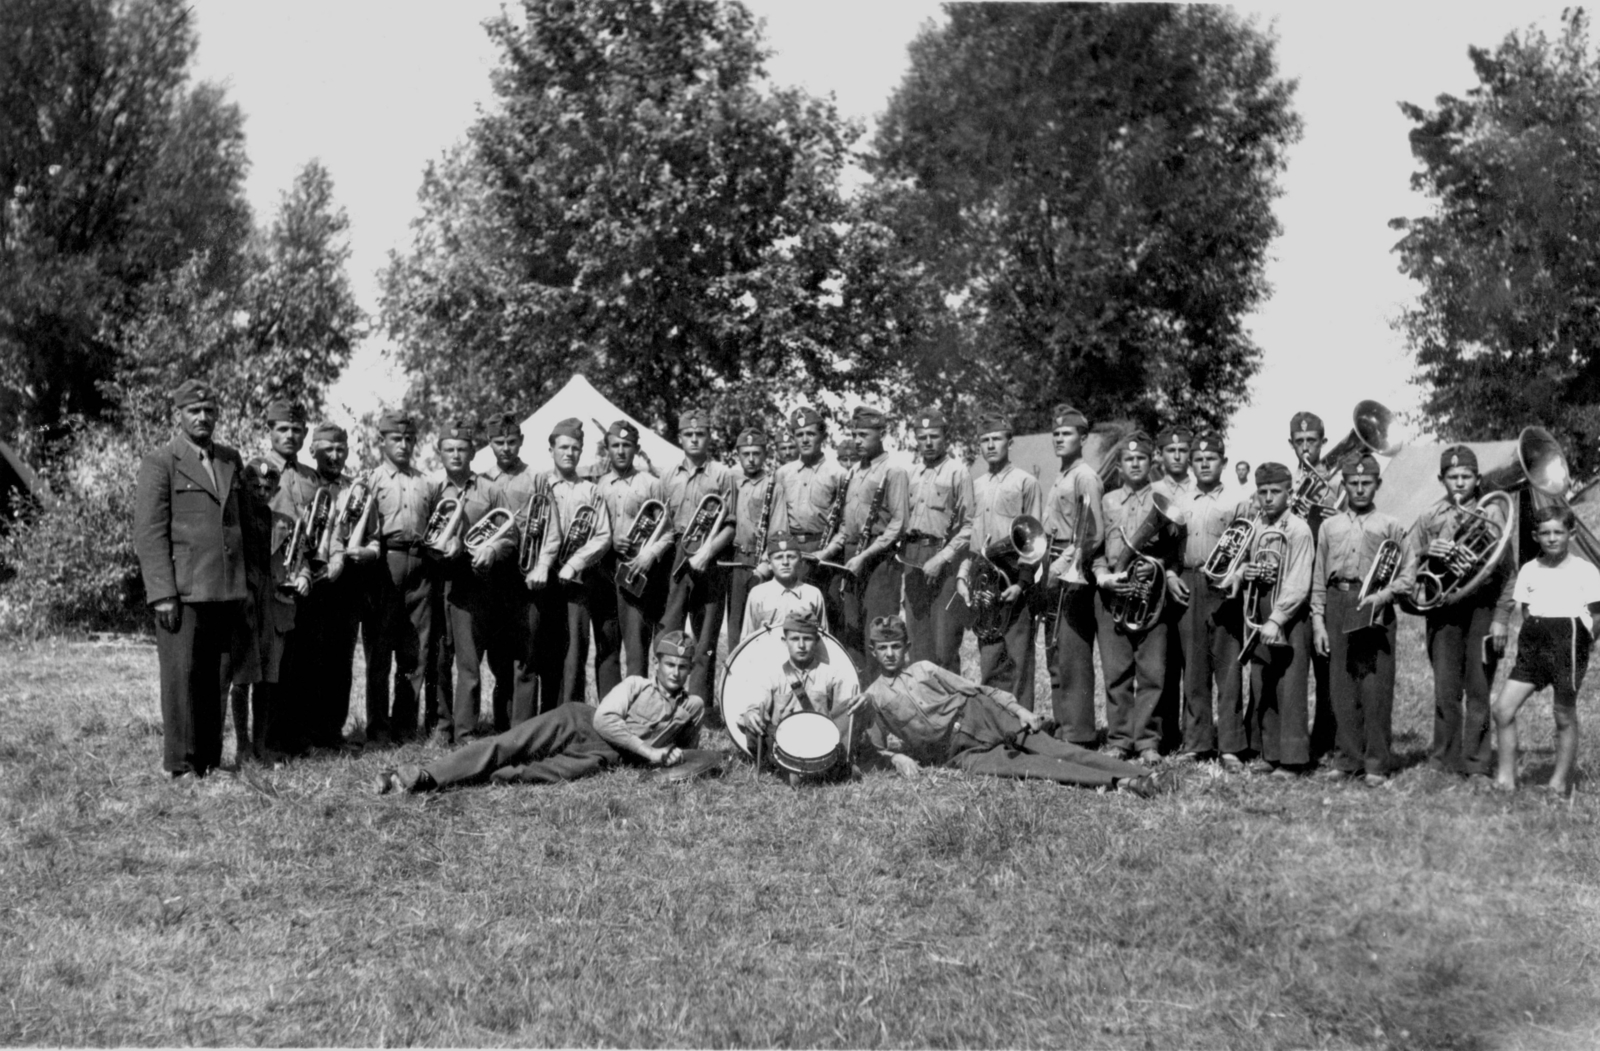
x=191 y=539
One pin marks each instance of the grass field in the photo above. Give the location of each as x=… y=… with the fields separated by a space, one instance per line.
x=292 y=907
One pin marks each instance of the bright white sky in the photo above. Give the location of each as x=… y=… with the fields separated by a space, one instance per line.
x=375 y=90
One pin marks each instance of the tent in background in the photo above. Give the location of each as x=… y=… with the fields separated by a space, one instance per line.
x=579 y=398
x=1411 y=477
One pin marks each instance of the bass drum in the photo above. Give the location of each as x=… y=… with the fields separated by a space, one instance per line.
x=750 y=668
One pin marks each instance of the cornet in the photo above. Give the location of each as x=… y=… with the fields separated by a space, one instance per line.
x=443 y=525
x=489 y=530
x=1272 y=550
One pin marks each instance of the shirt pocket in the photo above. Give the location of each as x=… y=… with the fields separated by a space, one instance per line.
x=939 y=497
x=1008 y=503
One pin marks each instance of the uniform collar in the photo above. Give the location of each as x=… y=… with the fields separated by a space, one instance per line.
x=388 y=469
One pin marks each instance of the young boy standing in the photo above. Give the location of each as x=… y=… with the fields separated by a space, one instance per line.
x=772 y=601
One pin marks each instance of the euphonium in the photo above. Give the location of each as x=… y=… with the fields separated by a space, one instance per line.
x=708 y=516
x=1385 y=567
x=1139 y=610
x=579 y=531
x=1476 y=550
x=1272 y=547
x=1024 y=544
x=1231 y=549
x=443 y=524
x=535 y=518
x=308 y=530
x=645 y=529
x=984 y=588
x=493 y=527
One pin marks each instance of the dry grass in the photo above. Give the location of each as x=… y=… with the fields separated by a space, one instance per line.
x=290 y=907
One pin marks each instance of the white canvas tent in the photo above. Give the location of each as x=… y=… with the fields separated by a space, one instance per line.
x=580 y=399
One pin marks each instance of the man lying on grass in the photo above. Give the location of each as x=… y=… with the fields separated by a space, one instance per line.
x=1560 y=598
x=642 y=721
x=922 y=713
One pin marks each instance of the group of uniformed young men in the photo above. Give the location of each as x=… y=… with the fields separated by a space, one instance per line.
x=878 y=555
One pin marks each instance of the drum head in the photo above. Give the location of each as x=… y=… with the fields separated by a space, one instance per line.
x=806 y=742
x=750 y=668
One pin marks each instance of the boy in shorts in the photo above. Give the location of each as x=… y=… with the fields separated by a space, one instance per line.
x=1560 y=598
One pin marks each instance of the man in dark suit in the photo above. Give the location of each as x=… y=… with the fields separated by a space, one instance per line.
x=191 y=539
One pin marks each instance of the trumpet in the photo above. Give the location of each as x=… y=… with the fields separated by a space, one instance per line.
x=578 y=533
x=1271 y=550
x=535 y=518
x=1385 y=567
x=708 y=518
x=1231 y=549
x=646 y=528
x=304 y=541
x=443 y=525
x=493 y=527
x=1140 y=609
x=1476 y=549
x=350 y=528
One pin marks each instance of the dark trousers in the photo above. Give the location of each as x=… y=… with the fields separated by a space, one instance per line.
x=574 y=597
x=1169 y=709
x=696 y=599
x=875 y=593
x=1279 y=722
x=1462 y=734
x=508 y=597
x=1007 y=664
x=1046 y=602
x=404 y=605
x=252 y=717
x=1135 y=667
x=1361 y=681
x=623 y=624
x=740 y=581
x=1073 y=704
x=318 y=660
x=1211 y=630
x=935 y=617
x=196 y=664
x=532 y=653
x=990 y=742
x=560 y=745
x=466 y=607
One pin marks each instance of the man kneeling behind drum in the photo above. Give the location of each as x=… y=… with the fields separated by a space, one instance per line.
x=642 y=721
x=803 y=683
x=923 y=714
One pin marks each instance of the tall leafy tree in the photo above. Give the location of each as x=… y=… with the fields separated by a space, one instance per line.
x=1088 y=190
x=1506 y=329
x=115 y=172
x=642 y=206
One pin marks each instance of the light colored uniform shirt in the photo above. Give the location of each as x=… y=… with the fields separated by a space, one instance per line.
x=1076 y=492
x=569 y=499
x=1125 y=512
x=688 y=485
x=772 y=602
x=1565 y=589
x=512 y=488
x=998 y=499
x=939 y=504
x=637 y=707
x=820 y=688
x=1444 y=520
x=750 y=496
x=1206 y=516
x=624 y=497
x=917 y=712
x=405 y=499
x=805 y=495
x=1294 y=571
x=1346 y=546
x=874 y=506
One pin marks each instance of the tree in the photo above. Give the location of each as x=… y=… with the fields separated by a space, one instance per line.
x=1088 y=191
x=1506 y=330
x=640 y=206
x=114 y=173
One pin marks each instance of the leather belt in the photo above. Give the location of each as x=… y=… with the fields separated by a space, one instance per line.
x=924 y=538
x=396 y=544
x=1344 y=583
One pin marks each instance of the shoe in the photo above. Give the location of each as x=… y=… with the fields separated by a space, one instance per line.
x=1286 y=773
x=1232 y=763
x=1113 y=751
x=1143 y=787
x=412 y=778
x=1149 y=757
x=1334 y=773
x=1375 y=780
x=385 y=782
x=1186 y=758
x=1260 y=766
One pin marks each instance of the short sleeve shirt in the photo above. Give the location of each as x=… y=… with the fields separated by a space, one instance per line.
x=1563 y=590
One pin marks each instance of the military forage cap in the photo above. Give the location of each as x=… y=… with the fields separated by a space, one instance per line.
x=192 y=392
x=804 y=416
x=752 y=436
x=674 y=644
x=886 y=629
x=502 y=425
x=624 y=430
x=697 y=419
x=330 y=432
x=867 y=416
x=1209 y=442
x=1273 y=474
x=1361 y=466
x=262 y=468
x=1137 y=442
x=1067 y=416
x=1181 y=435
x=931 y=419
x=992 y=420
x=397 y=423
x=1305 y=421
x=459 y=428
x=571 y=427
x=1457 y=456
x=781 y=542
x=801 y=623
x=285 y=411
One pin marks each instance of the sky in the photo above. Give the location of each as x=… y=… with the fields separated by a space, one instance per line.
x=376 y=90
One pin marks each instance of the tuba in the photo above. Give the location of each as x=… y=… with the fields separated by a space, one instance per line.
x=492 y=528
x=1476 y=549
x=1231 y=549
x=1272 y=547
x=708 y=517
x=1385 y=567
x=1024 y=544
x=645 y=529
x=535 y=518
x=1372 y=428
x=443 y=525
x=304 y=542
x=578 y=533
x=1140 y=610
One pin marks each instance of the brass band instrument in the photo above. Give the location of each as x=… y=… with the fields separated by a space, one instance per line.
x=535 y=516
x=443 y=525
x=1385 y=567
x=1024 y=544
x=708 y=518
x=579 y=530
x=646 y=528
x=351 y=526
x=1230 y=551
x=1272 y=549
x=304 y=541
x=1077 y=571
x=492 y=528
x=1315 y=492
x=1140 y=609
x=984 y=588
x=1476 y=549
